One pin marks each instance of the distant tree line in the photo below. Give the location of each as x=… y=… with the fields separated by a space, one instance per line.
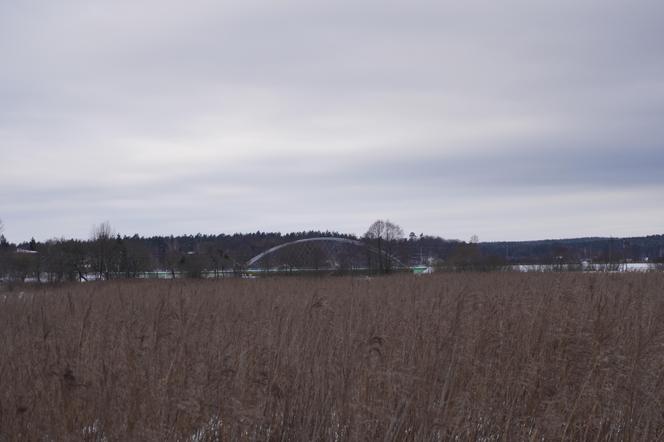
x=573 y=251
x=107 y=254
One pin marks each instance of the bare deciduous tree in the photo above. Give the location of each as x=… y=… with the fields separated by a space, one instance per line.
x=384 y=233
x=3 y=240
x=102 y=237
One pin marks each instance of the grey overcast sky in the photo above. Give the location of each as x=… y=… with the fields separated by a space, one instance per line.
x=506 y=119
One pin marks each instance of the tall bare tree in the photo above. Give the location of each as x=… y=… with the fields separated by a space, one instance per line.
x=3 y=254
x=384 y=233
x=3 y=241
x=102 y=238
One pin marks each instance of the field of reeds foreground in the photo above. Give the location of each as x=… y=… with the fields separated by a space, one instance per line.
x=565 y=356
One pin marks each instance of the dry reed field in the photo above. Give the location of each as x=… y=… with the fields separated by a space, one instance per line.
x=564 y=356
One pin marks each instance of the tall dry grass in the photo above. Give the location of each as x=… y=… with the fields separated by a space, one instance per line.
x=446 y=357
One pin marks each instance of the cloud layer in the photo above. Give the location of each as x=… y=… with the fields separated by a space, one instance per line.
x=510 y=120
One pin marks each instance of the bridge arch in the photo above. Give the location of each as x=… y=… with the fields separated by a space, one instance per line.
x=330 y=240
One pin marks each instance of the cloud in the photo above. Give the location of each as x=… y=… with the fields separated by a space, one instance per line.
x=207 y=116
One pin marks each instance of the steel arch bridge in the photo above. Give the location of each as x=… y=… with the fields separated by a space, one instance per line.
x=322 y=253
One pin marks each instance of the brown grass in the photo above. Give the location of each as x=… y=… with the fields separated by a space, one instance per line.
x=446 y=357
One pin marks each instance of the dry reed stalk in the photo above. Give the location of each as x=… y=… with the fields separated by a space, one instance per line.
x=445 y=357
